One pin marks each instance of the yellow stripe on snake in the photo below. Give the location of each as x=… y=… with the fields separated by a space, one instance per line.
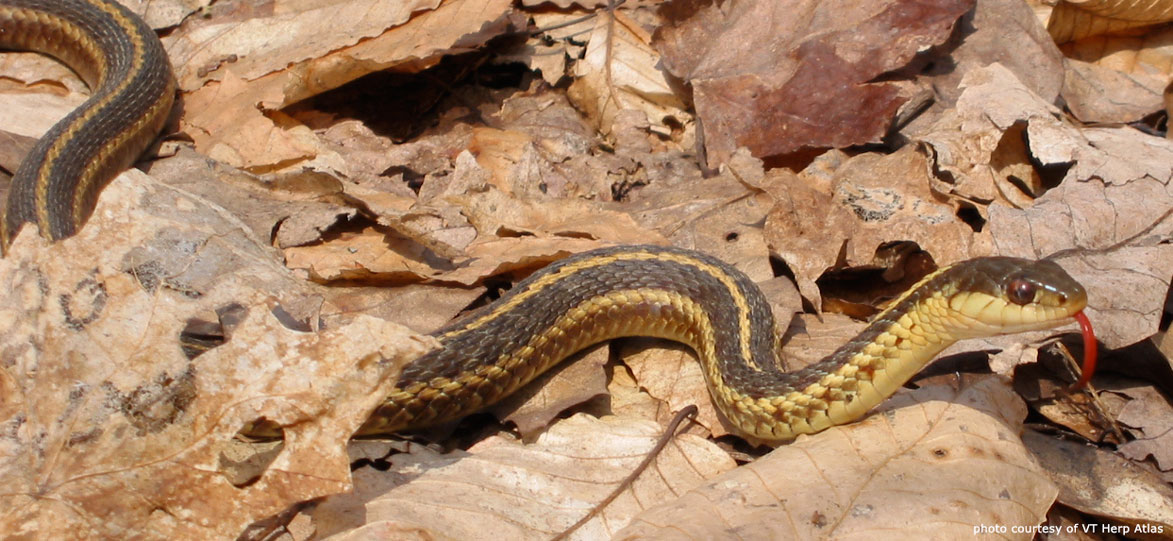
x=126 y=68
x=591 y=297
x=716 y=310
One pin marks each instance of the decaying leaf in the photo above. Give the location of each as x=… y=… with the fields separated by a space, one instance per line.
x=99 y=398
x=620 y=72
x=1151 y=416
x=233 y=81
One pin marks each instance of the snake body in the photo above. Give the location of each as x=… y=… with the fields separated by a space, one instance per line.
x=595 y=296
x=121 y=60
x=721 y=314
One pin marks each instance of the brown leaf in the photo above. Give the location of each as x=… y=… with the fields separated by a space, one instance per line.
x=720 y=216
x=501 y=489
x=996 y=31
x=575 y=381
x=236 y=67
x=99 y=400
x=841 y=210
x=1102 y=484
x=1151 y=416
x=620 y=72
x=934 y=464
x=671 y=375
x=781 y=77
x=1103 y=87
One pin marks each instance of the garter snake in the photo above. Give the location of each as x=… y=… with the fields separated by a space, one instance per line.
x=588 y=298
x=121 y=60
x=716 y=310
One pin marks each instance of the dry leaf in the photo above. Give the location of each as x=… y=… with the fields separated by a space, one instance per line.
x=232 y=81
x=781 y=77
x=500 y=489
x=1002 y=32
x=841 y=210
x=981 y=143
x=621 y=72
x=1151 y=416
x=934 y=464
x=574 y=382
x=99 y=400
x=1102 y=484
x=720 y=216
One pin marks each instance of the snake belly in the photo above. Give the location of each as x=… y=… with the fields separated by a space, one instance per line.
x=721 y=314
x=132 y=90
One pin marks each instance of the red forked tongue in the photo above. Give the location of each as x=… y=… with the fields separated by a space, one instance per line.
x=1089 y=350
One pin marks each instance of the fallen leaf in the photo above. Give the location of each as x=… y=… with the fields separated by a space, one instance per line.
x=501 y=489
x=934 y=464
x=1102 y=484
x=1151 y=416
x=620 y=71
x=233 y=71
x=778 y=78
x=100 y=400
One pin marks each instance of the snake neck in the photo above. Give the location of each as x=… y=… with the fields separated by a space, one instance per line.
x=861 y=374
x=843 y=386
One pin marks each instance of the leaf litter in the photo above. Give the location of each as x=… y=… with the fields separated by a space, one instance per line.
x=268 y=270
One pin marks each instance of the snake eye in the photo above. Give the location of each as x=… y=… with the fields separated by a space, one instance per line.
x=1020 y=291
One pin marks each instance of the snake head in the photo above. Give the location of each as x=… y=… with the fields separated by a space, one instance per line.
x=1006 y=295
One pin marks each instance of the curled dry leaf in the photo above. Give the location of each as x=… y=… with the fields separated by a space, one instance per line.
x=980 y=143
x=99 y=401
x=518 y=233
x=232 y=83
x=937 y=463
x=1112 y=200
x=1001 y=31
x=1118 y=218
x=500 y=489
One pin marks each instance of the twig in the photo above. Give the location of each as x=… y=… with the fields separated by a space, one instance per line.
x=688 y=412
